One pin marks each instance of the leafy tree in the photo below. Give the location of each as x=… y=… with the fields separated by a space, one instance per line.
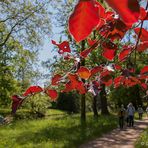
x=22 y=27
x=26 y=21
x=111 y=30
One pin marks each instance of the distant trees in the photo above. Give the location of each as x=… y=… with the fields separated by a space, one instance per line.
x=23 y=25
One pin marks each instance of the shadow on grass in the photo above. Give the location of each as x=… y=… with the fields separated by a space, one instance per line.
x=70 y=136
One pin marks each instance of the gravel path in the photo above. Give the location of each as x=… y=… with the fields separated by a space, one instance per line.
x=119 y=138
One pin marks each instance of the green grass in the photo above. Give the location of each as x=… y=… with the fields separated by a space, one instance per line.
x=136 y=117
x=64 y=131
x=143 y=140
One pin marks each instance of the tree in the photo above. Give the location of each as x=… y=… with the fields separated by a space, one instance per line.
x=111 y=31
x=22 y=27
x=25 y=21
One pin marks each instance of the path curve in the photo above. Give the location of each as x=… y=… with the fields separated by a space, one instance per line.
x=119 y=138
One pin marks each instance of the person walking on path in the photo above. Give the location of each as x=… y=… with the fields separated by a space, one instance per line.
x=131 y=112
x=140 y=112
x=121 y=115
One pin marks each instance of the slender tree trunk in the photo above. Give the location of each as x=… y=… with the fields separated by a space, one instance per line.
x=137 y=94
x=83 y=108
x=104 y=109
x=83 y=102
x=95 y=106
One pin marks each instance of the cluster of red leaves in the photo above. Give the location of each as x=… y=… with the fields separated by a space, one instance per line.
x=87 y=16
x=143 y=39
x=91 y=11
x=128 y=80
x=32 y=90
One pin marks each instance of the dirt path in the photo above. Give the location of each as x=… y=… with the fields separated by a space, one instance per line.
x=119 y=138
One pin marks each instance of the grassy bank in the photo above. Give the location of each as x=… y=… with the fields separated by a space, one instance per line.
x=63 y=131
x=143 y=140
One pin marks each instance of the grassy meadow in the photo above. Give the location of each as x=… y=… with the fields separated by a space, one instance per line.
x=57 y=130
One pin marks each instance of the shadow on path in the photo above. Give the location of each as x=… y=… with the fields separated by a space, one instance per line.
x=119 y=138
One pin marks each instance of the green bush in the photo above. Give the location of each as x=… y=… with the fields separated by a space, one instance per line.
x=38 y=105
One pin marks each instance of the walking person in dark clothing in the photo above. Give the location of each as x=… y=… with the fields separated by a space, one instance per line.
x=140 y=112
x=131 y=112
x=121 y=115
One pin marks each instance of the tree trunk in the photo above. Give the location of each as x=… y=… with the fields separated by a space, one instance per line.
x=95 y=106
x=138 y=98
x=103 y=99
x=83 y=108
x=83 y=103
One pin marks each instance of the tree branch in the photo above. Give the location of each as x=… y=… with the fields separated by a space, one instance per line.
x=139 y=35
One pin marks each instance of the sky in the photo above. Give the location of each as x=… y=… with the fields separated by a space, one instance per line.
x=47 y=52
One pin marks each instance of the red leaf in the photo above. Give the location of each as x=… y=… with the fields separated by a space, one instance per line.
x=100 y=9
x=85 y=52
x=17 y=101
x=143 y=14
x=56 y=79
x=144 y=70
x=63 y=47
x=117 y=67
x=96 y=70
x=73 y=77
x=143 y=77
x=108 y=83
x=74 y=84
x=80 y=87
x=127 y=82
x=118 y=81
x=117 y=29
x=52 y=94
x=128 y=10
x=68 y=87
x=124 y=53
x=83 y=20
x=109 y=54
x=144 y=34
x=142 y=46
x=135 y=79
x=91 y=42
x=32 y=90
x=131 y=81
x=144 y=86
x=83 y=72
x=105 y=73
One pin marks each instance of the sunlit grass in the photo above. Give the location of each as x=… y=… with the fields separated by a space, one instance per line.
x=64 y=131
x=143 y=140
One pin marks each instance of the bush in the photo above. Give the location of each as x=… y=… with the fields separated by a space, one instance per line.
x=38 y=105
